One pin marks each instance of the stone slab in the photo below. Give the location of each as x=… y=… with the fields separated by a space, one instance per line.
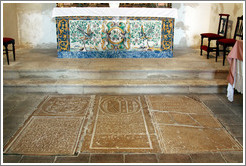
x=107 y=158
x=141 y=158
x=207 y=158
x=185 y=125
x=47 y=135
x=64 y=105
x=176 y=104
x=174 y=158
x=179 y=139
x=119 y=124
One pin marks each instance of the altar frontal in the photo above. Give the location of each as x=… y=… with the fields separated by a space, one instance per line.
x=81 y=33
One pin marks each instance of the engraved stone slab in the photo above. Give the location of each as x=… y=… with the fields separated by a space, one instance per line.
x=64 y=105
x=47 y=135
x=185 y=125
x=181 y=139
x=120 y=124
x=174 y=103
x=193 y=120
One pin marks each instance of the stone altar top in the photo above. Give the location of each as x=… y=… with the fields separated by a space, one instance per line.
x=127 y=12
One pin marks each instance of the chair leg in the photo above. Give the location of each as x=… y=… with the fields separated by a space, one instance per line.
x=224 y=55
x=201 y=45
x=13 y=46
x=208 y=49
x=7 y=53
x=217 y=51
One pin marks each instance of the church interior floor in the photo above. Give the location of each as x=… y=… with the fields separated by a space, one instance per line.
x=39 y=70
x=171 y=110
x=167 y=128
x=45 y=59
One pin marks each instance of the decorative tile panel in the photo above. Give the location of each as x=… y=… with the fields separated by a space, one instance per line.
x=62 y=35
x=100 y=37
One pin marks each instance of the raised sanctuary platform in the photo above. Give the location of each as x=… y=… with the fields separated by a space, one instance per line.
x=40 y=71
x=115 y=32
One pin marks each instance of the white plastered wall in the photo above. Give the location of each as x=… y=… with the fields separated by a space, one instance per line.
x=193 y=19
x=10 y=21
x=234 y=9
x=33 y=26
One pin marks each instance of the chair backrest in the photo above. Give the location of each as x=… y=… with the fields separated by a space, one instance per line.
x=239 y=28
x=223 y=24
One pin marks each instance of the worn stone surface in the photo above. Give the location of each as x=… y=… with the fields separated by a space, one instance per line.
x=46 y=60
x=235 y=130
x=11 y=158
x=207 y=158
x=37 y=159
x=207 y=121
x=233 y=157
x=220 y=109
x=81 y=158
x=200 y=129
x=230 y=119
x=107 y=158
x=119 y=125
x=178 y=126
x=240 y=140
x=64 y=105
x=174 y=158
x=48 y=136
x=175 y=103
x=177 y=139
x=141 y=158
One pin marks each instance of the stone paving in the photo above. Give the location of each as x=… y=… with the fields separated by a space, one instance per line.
x=39 y=70
x=18 y=107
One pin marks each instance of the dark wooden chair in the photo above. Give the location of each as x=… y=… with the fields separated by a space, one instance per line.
x=6 y=42
x=222 y=31
x=230 y=42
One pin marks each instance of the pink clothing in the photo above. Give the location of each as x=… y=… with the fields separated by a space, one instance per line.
x=236 y=53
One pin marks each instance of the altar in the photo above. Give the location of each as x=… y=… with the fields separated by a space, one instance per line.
x=115 y=32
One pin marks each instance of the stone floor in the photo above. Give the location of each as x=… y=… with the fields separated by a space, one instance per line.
x=18 y=107
x=155 y=120
x=39 y=70
x=46 y=59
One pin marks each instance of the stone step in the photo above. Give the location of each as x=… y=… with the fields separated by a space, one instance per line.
x=116 y=86
x=183 y=74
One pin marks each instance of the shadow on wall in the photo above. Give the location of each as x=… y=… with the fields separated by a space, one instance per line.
x=229 y=29
x=36 y=27
x=180 y=36
x=196 y=44
x=193 y=5
x=180 y=26
x=183 y=42
x=234 y=9
x=196 y=18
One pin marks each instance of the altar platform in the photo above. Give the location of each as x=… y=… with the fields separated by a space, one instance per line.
x=39 y=70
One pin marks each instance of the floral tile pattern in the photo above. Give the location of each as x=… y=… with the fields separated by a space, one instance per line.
x=76 y=34
x=98 y=35
x=85 y=34
x=145 y=34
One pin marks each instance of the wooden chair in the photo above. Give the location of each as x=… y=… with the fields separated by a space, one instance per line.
x=6 y=42
x=222 y=31
x=230 y=42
